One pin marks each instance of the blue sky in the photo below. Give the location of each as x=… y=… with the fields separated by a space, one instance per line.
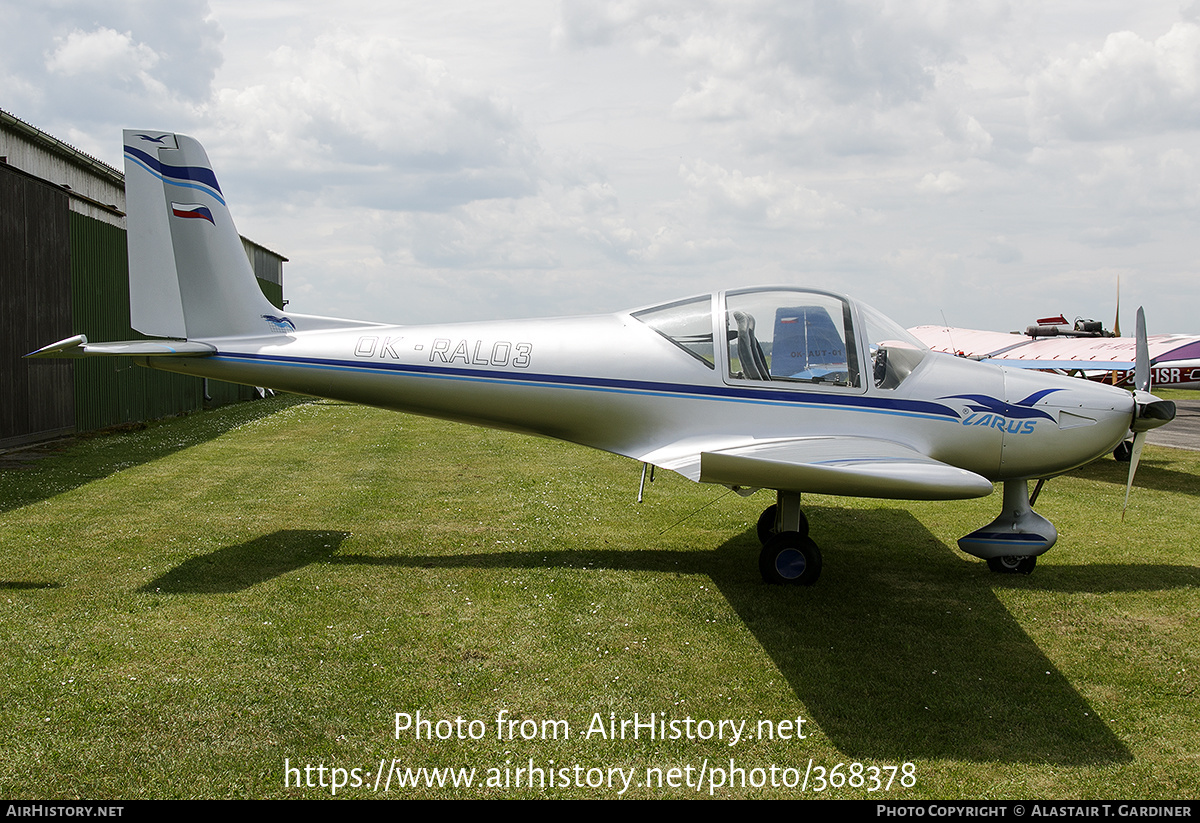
x=988 y=162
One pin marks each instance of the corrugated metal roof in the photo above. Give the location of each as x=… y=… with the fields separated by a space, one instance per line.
x=58 y=147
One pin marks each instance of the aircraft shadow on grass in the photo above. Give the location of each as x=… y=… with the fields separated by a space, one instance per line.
x=235 y=568
x=907 y=654
x=902 y=654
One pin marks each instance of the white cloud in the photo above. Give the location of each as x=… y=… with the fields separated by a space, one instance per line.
x=1130 y=86
x=92 y=66
x=762 y=199
x=366 y=121
x=1002 y=250
x=543 y=157
x=675 y=247
x=102 y=51
x=946 y=182
x=806 y=79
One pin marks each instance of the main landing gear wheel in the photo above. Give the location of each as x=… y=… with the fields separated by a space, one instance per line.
x=790 y=559
x=766 y=524
x=1012 y=564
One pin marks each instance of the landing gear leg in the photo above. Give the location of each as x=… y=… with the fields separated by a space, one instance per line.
x=1010 y=543
x=785 y=515
x=788 y=556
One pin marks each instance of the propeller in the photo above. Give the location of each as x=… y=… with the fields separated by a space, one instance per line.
x=1141 y=374
x=1149 y=411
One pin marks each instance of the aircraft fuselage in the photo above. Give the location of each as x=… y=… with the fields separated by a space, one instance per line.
x=612 y=382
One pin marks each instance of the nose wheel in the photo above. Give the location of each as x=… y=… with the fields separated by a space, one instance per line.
x=1012 y=564
x=1011 y=543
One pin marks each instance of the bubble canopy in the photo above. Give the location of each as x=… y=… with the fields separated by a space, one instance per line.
x=790 y=336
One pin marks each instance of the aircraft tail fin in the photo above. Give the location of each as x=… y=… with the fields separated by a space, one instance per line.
x=189 y=276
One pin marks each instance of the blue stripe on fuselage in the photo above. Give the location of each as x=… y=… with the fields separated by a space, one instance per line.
x=875 y=405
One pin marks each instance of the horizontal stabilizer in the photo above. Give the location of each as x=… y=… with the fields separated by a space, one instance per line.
x=78 y=346
x=851 y=466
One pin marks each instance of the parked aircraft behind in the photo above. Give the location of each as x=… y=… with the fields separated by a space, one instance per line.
x=1082 y=349
x=794 y=390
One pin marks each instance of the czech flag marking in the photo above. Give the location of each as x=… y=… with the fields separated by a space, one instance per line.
x=192 y=210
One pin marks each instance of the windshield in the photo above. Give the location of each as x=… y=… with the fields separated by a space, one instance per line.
x=894 y=352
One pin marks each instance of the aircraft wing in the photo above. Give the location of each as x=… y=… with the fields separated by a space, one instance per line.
x=850 y=466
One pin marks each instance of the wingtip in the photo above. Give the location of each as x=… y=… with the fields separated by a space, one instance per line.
x=60 y=347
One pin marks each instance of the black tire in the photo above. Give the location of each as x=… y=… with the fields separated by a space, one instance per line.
x=1012 y=564
x=1123 y=453
x=790 y=559
x=766 y=524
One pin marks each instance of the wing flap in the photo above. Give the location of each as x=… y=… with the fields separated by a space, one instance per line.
x=850 y=466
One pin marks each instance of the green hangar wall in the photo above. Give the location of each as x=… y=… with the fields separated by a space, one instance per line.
x=63 y=271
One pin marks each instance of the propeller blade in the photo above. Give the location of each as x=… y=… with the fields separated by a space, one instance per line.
x=1150 y=412
x=1135 y=455
x=1141 y=374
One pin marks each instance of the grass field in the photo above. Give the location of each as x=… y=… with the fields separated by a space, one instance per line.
x=205 y=607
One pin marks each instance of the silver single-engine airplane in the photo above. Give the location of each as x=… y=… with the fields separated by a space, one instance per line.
x=795 y=390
